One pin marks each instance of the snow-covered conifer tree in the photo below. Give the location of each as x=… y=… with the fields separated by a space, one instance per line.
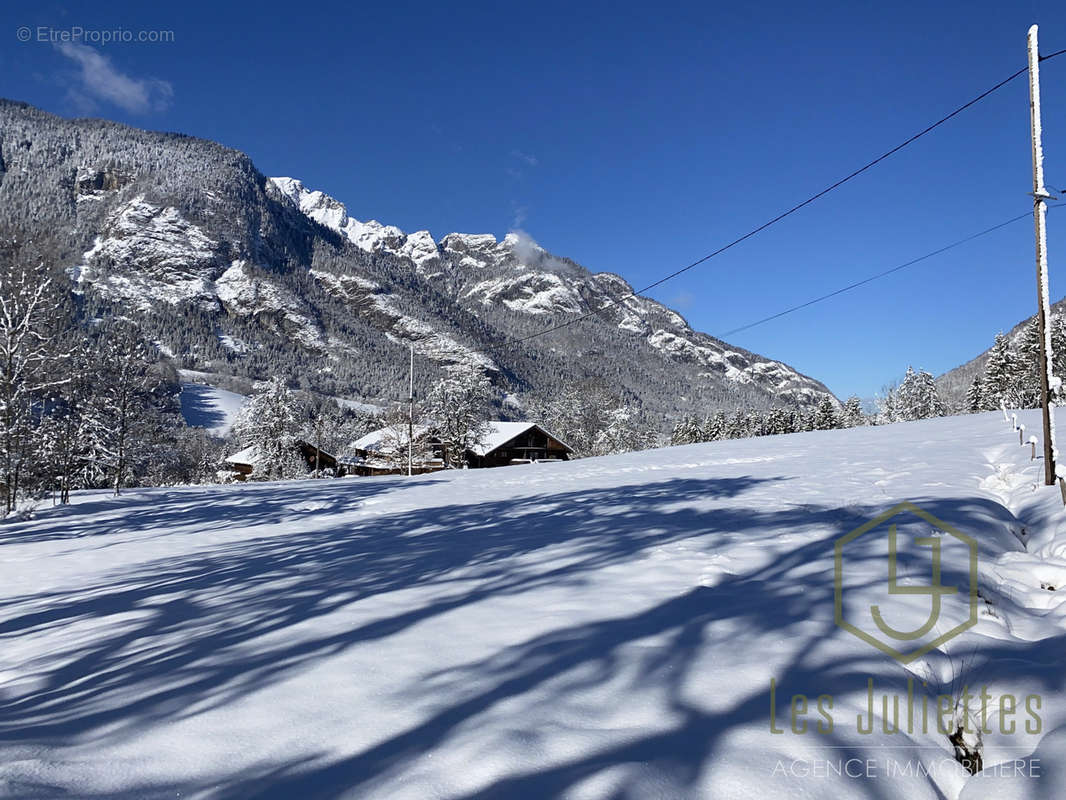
x=755 y=425
x=826 y=417
x=737 y=425
x=852 y=416
x=1001 y=374
x=918 y=396
x=976 y=395
x=269 y=423
x=714 y=427
x=1058 y=345
x=888 y=405
x=686 y=431
x=778 y=421
x=1027 y=369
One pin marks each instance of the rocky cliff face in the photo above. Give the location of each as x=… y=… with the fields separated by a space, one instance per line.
x=239 y=274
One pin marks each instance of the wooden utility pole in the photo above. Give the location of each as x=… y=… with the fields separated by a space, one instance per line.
x=1040 y=196
x=411 y=413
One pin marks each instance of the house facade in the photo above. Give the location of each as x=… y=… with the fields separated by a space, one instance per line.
x=517 y=443
x=384 y=451
x=242 y=463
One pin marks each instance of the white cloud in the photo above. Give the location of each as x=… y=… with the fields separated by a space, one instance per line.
x=527 y=158
x=525 y=247
x=100 y=80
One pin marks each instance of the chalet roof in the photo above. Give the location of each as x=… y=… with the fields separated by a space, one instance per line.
x=500 y=433
x=385 y=440
x=249 y=456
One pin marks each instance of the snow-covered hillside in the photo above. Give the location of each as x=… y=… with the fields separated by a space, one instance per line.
x=954 y=383
x=603 y=628
x=209 y=407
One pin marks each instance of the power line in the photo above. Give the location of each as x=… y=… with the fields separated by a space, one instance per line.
x=789 y=212
x=870 y=279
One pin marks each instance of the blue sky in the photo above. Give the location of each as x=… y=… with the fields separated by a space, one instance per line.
x=633 y=139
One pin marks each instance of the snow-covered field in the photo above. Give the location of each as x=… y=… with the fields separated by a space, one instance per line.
x=606 y=628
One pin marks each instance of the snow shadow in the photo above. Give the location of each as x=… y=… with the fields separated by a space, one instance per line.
x=207 y=508
x=200 y=407
x=176 y=638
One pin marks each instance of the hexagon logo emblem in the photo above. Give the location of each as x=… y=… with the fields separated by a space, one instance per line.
x=905 y=574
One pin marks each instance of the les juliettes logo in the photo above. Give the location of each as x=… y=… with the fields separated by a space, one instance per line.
x=882 y=635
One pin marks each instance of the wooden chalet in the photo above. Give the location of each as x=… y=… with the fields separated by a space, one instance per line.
x=517 y=443
x=384 y=451
x=242 y=463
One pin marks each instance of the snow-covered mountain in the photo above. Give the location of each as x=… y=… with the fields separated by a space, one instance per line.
x=240 y=274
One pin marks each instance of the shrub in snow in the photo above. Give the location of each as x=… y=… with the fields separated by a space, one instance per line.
x=459 y=403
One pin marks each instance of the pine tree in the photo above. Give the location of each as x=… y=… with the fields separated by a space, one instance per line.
x=976 y=395
x=825 y=416
x=1027 y=368
x=737 y=425
x=714 y=427
x=1058 y=345
x=888 y=405
x=929 y=403
x=852 y=416
x=906 y=396
x=918 y=396
x=1001 y=374
x=779 y=421
x=686 y=431
x=269 y=423
x=755 y=424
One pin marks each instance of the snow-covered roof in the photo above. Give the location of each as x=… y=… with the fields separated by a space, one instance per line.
x=500 y=433
x=249 y=455
x=385 y=440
